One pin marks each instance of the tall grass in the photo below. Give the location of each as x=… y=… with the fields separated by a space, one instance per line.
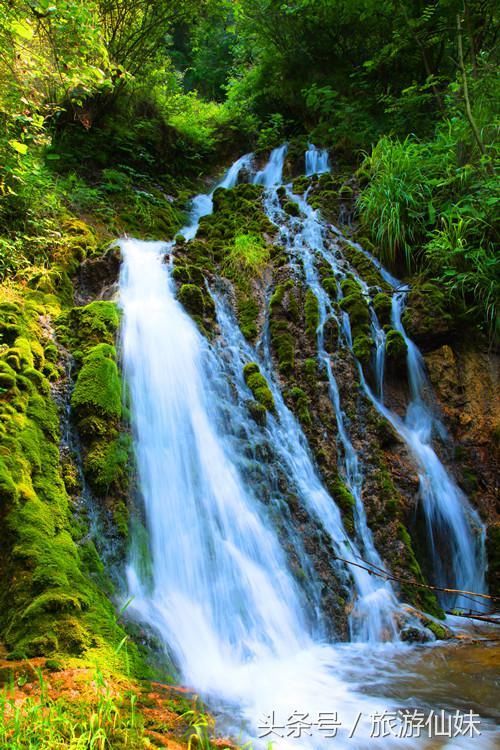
x=397 y=204
x=41 y=723
x=246 y=258
x=427 y=208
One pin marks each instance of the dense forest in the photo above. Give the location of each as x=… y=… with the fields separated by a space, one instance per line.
x=305 y=289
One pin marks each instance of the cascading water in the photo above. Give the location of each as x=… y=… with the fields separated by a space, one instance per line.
x=317 y=160
x=374 y=613
x=221 y=594
x=454 y=530
x=374 y=606
x=272 y=174
x=455 y=533
x=202 y=205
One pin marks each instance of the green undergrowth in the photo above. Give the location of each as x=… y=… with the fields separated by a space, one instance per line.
x=107 y=718
x=430 y=206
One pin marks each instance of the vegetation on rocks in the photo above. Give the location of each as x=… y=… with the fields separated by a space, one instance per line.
x=112 y=116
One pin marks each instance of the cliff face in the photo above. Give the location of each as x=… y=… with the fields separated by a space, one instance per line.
x=466 y=382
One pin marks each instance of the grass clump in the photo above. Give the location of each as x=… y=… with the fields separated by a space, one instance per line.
x=107 y=719
x=247 y=257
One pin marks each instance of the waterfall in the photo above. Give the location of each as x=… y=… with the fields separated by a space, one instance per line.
x=317 y=160
x=272 y=174
x=455 y=533
x=375 y=608
x=221 y=595
x=202 y=204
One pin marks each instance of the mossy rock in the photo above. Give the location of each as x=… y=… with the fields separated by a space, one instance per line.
x=291 y=208
x=345 y=501
x=98 y=386
x=259 y=386
x=356 y=306
x=192 y=298
x=258 y=412
x=284 y=346
x=396 y=348
x=81 y=328
x=311 y=310
x=247 y=313
x=362 y=347
x=427 y=318
x=301 y=406
x=382 y=304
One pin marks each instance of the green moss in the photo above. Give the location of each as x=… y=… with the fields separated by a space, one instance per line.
x=192 y=298
x=258 y=385
x=98 y=386
x=300 y=185
x=284 y=346
x=426 y=312
x=345 y=501
x=330 y=287
x=248 y=313
x=7 y=376
x=362 y=347
x=291 y=208
x=47 y=602
x=395 y=347
x=311 y=309
x=301 y=406
x=283 y=308
x=439 y=631
x=382 y=304
x=310 y=372
x=258 y=412
x=81 y=328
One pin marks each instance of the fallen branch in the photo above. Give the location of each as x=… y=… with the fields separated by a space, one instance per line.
x=376 y=571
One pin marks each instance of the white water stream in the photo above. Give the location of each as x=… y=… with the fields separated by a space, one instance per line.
x=221 y=594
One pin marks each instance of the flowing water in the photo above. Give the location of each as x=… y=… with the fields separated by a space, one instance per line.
x=317 y=160
x=241 y=628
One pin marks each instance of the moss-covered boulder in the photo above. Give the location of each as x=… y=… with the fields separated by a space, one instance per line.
x=396 y=348
x=258 y=385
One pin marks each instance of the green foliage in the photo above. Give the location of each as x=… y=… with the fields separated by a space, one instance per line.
x=247 y=257
x=397 y=203
x=432 y=204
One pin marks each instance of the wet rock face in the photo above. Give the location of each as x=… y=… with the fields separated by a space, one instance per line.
x=466 y=384
x=97 y=278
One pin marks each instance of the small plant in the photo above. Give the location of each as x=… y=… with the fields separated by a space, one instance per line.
x=246 y=257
